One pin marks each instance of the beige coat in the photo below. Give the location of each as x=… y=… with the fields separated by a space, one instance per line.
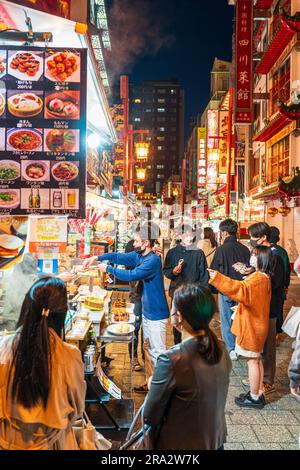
x=209 y=250
x=39 y=428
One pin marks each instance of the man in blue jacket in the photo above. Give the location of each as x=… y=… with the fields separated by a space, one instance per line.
x=147 y=268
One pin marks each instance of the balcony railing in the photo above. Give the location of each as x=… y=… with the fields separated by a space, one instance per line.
x=280 y=91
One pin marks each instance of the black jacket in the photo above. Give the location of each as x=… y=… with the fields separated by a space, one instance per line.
x=194 y=268
x=185 y=405
x=278 y=286
x=227 y=255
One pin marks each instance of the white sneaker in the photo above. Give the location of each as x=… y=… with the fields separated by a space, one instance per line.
x=233 y=355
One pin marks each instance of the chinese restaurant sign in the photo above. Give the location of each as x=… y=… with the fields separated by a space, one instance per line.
x=202 y=161
x=212 y=129
x=244 y=50
x=42 y=131
x=223 y=144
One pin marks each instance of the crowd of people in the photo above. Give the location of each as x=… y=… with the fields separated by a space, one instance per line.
x=42 y=379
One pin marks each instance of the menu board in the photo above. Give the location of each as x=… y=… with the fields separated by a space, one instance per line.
x=42 y=131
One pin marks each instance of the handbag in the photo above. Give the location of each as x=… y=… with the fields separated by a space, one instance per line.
x=143 y=438
x=87 y=437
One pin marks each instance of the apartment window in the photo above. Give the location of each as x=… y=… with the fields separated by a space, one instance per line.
x=160 y=167
x=161 y=100
x=173 y=119
x=161 y=139
x=173 y=138
x=148 y=101
x=161 y=129
x=174 y=100
x=149 y=110
x=161 y=110
x=137 y=119
x=161 y=91
x=173 y=147
x=161 y=119
x=160 y=177
x=173 y=92
x=173 y=129
x=281 y=86
x=279 y=160
x=174 y=110
x=160 y=147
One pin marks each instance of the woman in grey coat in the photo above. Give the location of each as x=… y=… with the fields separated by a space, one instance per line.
x=185 y=406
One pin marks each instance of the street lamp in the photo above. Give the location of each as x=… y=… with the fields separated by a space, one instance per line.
x=142 y=150
x=141 y=174
x=140 y=190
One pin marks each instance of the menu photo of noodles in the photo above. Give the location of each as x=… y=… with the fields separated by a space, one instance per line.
x=24 y=140
x=2 y=103
x=35 y=170
x=61 y=140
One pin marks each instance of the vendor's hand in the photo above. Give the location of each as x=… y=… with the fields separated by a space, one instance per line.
x=212 y=273
x=102 y=267
x=296 y=392
x=157 y=250
x=177 y=270
x=89 y=262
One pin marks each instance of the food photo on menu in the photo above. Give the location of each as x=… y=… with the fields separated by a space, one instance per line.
x=13 y=232
x=61 y=140
x=25 y=104
x=62 y=105
x=3 y=57
x=65 y=171
x=25 y=65
x=62 y=66
x=9 y=198
x=2 y=102
x=35 y=170
x=9 y=171
x=22 y=140
x=64 y=198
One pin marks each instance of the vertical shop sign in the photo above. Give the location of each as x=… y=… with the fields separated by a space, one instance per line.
x=223 y=145
x=201 y=158
x=42 y=131
x=212 y=129
x=243 y=71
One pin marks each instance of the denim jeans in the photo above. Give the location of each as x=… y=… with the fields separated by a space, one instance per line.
x=137 y=328
x=226 y=322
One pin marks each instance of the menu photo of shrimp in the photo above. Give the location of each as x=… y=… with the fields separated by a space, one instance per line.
x=25 y=65
x=3 y=65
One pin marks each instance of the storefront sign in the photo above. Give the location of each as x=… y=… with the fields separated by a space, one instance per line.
x=212 y=129
x=244 y=49
x=47 y=232
x=201 y=157
x=212 y=170
x=42 y=131
x=223 y=144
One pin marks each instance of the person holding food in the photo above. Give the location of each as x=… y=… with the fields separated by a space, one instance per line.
x=146 y=267
x=185 y=264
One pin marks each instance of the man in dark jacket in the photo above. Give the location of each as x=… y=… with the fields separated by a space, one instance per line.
x=274 y=239
x=185 y=264
x=227 y=255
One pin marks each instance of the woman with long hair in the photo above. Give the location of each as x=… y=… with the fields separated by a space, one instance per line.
x=251 y=320
x=41 y=376
x=185 y=406
x=208 y=245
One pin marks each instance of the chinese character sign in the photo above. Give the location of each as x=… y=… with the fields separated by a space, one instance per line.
x=243 y=72
x=202 y=160
x=212 y=129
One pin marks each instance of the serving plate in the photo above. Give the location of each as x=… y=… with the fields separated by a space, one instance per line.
x=114 y=327
x=22 y=75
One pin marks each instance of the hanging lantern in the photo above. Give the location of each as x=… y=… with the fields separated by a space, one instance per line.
x=284 y=211
x=142 y=150
x=272 y=211
x=141 y=174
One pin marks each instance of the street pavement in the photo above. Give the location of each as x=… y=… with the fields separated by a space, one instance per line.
x=276 y=427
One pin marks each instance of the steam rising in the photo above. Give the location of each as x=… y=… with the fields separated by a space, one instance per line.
x=136 y=29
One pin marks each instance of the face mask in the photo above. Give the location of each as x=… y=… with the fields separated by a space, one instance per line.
x=253 y=261
x=254 y=243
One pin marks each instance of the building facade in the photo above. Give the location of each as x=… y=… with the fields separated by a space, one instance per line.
x=159 y=107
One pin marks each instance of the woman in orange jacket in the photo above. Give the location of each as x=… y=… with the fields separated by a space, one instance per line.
x=251 y=321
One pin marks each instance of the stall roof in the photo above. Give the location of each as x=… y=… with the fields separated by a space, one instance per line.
x=64 y=35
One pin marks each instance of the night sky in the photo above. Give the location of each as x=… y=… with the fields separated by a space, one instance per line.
x=192 y=33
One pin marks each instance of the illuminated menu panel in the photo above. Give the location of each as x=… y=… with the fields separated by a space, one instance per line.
x=202 y=160
x=42 y=131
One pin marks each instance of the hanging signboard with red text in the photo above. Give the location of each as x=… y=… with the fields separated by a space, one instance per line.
x=42 y=131
x=244 y=51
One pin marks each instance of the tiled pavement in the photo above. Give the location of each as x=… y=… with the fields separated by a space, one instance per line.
x=276 y=427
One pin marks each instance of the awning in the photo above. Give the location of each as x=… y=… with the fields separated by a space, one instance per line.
x=274 y=126
x=288 y=27
x=267 y=193
x=263 y=4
